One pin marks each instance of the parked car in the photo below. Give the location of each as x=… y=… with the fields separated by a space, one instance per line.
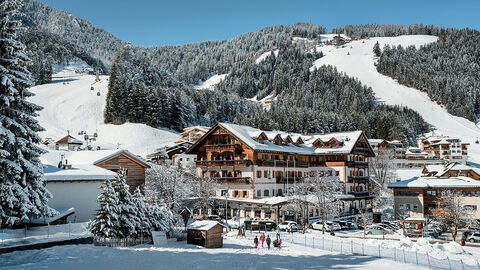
x=475 y=237
x=391 y=225
x=469 y=232
x=352 y=225
x=434 y=227
x=430 y=233
x=329 y=226
x=214 y=217
x=288 y=225
x=378 y=229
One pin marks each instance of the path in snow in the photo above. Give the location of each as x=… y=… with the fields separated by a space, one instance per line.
x=360 y=64
x=69 y=104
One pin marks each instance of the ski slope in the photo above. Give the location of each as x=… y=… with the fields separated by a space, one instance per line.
x=69 y=105
x=356 y=59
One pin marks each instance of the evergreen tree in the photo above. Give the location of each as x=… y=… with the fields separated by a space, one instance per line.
x=22 y=189
x=376 y=49
x=128 y=220
x=106 y=221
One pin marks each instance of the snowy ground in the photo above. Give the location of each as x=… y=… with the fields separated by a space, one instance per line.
x=210 y=83
x=69 y=104
x=356 y=59
x=236 y=254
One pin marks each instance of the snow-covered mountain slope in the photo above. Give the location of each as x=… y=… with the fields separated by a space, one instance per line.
x=210 y=82
x=356 y=59
x=264 y=55
x=69 y=104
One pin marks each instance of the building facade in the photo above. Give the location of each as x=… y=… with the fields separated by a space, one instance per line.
x=417 y=197
x=446 y=148
x=256 y=164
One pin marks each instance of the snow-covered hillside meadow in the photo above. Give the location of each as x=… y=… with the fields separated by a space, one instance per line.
x=356 y=59
x=210 y=83
x=69 y=104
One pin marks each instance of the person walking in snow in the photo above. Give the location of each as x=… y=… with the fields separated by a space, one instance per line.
x=255 y=241
x=269 y=241
x=262 y=238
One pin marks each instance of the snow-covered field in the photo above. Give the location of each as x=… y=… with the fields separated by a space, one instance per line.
x=69 y=104
x=236 y=254
x=210 y=83
x=356 y=59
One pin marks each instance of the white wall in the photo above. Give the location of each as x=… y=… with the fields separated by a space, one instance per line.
x=80 y=195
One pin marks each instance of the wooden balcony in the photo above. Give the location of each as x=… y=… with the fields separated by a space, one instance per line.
x=358 y=179
x=223 y=147
x=283 y=163
x=357 y=163
x=360 y=193
x=234 y=180
x=224 y=163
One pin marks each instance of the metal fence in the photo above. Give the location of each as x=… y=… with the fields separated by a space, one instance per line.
x=122 y=242
x=351 y=247
x=29 y=235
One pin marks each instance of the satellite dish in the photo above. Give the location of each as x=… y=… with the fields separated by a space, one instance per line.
x=85 y=137
x=91 y=88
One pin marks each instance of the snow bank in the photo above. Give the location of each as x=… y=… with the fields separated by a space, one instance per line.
x=210 y=82
x=356 y=59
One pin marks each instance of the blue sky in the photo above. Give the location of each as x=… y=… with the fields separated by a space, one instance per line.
x=154 y=22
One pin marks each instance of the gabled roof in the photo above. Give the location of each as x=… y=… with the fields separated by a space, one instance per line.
x=70 y=140
x=248 y=134
x=203 y=225
x=88 y=157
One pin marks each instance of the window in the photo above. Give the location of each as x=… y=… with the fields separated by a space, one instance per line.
x=465 y=193
x=478 y=193
x=431 y=193
x=259 y=174
x=265 y=174
x=266 y=193
x=401 y=207
x=244 y=194
x=257 y=213
x=188 y=159
x=337 y=173
x=415 y=207
x=408 y=207
x=259 y=193
x=268 y=214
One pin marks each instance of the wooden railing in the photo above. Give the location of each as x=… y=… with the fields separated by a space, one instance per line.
x=283 y=163
x=224 y=163
x=358 y=179
x=234 y=180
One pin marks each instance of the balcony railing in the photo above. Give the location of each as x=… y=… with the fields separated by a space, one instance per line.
x=224 y=163
x=360 y=193
x=357 y=163
x=224 y=146
x=283 y=163
x=358 y=179
x=234 y=180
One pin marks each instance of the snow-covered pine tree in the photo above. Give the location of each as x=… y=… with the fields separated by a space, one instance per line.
x=144 y=225
x=376 y=49
x=105 y=223
x=128 y=220
x=22 y=189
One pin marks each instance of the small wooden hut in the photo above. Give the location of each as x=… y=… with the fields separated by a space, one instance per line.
x=205 y=233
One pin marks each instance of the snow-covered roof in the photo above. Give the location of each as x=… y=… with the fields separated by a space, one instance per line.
x=82 y=172
x=70 y=140
x=437 y=182
x=62 y=212
x=248 y=134
x=202 y=225
x=440 y=170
